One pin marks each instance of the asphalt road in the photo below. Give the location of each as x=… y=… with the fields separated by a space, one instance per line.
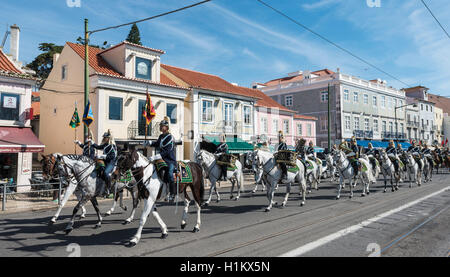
x=242 y=228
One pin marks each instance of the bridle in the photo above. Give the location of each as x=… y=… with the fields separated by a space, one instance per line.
x=61 y=162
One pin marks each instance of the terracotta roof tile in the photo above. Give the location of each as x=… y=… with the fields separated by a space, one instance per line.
x=135 y=45
x=299 y=116
x=36 y=108
x=6 y=65
x=210 y=82
x=95 y=60
x=322 y=72
x=441 y=102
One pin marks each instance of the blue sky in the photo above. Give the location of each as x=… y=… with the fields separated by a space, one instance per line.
x=243 y=41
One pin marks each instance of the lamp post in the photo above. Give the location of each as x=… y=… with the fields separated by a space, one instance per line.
x=395 y=111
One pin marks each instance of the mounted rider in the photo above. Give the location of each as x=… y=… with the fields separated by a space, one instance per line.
x=88 y=149
x=391 y=151
x=426 y=152
x=109 y=156
x=371 y=153
x=401 y=154
x=165 y=149
x=352 y=153
x=281 y=147
x=221 y=150
x=300 y=149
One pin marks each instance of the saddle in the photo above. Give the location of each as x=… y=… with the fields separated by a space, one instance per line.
x=286 y=157
x=227 y=160
x=182 y=174
x=100 y=166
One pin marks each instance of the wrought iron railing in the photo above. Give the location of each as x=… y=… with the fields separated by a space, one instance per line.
x=136 y=129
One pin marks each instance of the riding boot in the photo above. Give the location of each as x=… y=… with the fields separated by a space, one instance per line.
x=172 y=190
x=355 y=167
x=224 y=173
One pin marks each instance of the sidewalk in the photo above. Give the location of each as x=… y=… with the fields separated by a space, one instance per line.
x=24 y=202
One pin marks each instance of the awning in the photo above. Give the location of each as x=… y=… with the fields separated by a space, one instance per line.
x=235 y=145
x=15 y=140
x=379 y=144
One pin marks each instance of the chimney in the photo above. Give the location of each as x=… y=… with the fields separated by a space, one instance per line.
x=14 y=42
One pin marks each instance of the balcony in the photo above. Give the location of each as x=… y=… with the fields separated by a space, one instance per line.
x=230 y=127
x=363 y=134
x=136 y=130
x=413 y=124
x=393 y=135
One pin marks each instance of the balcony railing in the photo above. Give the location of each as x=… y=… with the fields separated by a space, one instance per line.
x=414 y=124
x=136 y=130
x=393 y=135
x=229 y=127
x=363 y=134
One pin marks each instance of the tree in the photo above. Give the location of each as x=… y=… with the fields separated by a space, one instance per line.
x=80 y=40
x=134 y=36
x=43 y=63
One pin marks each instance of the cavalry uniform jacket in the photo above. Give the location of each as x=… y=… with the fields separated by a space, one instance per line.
x=165 y=145
x=88 y=150
x=222 y=148
x=282 y=146
x=301 y=150
x=310 y=150
x=355 y=150
x=413 y=149
x=426 y=151
x=370 y=151
x=391 y=150
x=110 y=150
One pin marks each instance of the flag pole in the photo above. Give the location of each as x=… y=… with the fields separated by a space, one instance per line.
x=146 y=125
x=75 y=146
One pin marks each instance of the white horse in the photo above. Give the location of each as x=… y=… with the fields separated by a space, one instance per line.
x=414 y=170
x=388 y=169
x=49 y=171
x=331 y=167
x=151 y=189
x=257 y=172
x=427 y=168
x=312 y=174
x=82 y=170
x=213 y=170
x=346 y=172
x=375 y=170
x=272 y=176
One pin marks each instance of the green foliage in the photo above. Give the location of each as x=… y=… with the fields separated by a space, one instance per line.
x=43 y=63
x=134 y=36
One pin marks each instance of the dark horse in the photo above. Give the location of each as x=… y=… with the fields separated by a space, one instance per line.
x=151 y=189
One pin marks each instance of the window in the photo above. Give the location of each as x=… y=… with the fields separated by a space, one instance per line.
x=299 y=129
x=395 y=103
x=366 y=99
x=115 y=108
x=426 y=108
x=10 y=106
x=346 y=95
x=421 y=107
x=356 y=123
x=401 y=128
x=347 y=123
x=171 y=112
x=355 y=97
x=143 y=68
x=275 y=127
x=308 y=129
x=63 y=72
x=375 y=125
x=383 y=126
x=286 y=126
x=264 y=127
x=383 y=101
x=288 y=100
x=228 y=114
x=247 y=115
x=391 y=127
x=324 y=97
x=366 y=124
x=374 y=100
x=431 y=108
x=400 y=104
x=207 y=114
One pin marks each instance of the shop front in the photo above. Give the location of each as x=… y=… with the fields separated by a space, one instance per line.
x=17 y=146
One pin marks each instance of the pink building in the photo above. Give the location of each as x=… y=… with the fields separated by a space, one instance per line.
x=271 y=117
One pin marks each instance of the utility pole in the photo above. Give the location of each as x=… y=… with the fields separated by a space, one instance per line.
x=329 y=120
x=86 y=73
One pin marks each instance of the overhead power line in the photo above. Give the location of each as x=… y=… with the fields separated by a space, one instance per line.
x=442 y=27
x=331 y=42
x=152 y=17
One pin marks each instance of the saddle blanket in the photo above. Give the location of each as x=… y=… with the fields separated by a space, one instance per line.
x=228 y=160
x=184 y=171
x=286 y=156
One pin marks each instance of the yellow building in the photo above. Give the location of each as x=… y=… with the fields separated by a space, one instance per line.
x=119 y=78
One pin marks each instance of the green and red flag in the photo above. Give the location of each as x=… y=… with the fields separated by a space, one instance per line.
x=149 y=111
x=75 y=121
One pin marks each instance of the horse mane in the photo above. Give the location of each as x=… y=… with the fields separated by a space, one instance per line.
x=79 y=158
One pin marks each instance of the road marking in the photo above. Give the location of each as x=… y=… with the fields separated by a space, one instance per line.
x=315 y=244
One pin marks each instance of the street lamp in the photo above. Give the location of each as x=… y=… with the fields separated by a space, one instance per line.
x=395 y=111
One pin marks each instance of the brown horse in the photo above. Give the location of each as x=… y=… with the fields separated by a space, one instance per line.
x=151 y=189
x=437 y=161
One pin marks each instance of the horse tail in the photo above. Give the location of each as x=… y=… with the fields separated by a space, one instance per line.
x=241 y=179
x=202 y=182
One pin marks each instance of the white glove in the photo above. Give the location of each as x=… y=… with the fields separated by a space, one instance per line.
x=151 y=159
x=76 y=141
x=90 y=140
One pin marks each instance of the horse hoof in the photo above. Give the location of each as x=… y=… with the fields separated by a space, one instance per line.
x=337 y=197
x=267 y=210
x=82 y=216
x=384 y=190
x=68 y=230
x=183 y=226
x=236 y=199
x=253 y=191
x=50 y=223
x=106 y=214
x=126 y=222
x=302 y=204
x=363 y=195
x=131 y=244
x=97 y=226
x=163 y=236
x=231 y=197
x=125 y=208
x=196 y=230
x=351 y=196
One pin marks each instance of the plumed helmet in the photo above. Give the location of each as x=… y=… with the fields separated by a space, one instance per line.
x=353 y=139
x=369 y=144
x=280 y=135
x=223 y=138
x=164 y=122
x=302 y=141
x=107 y=134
